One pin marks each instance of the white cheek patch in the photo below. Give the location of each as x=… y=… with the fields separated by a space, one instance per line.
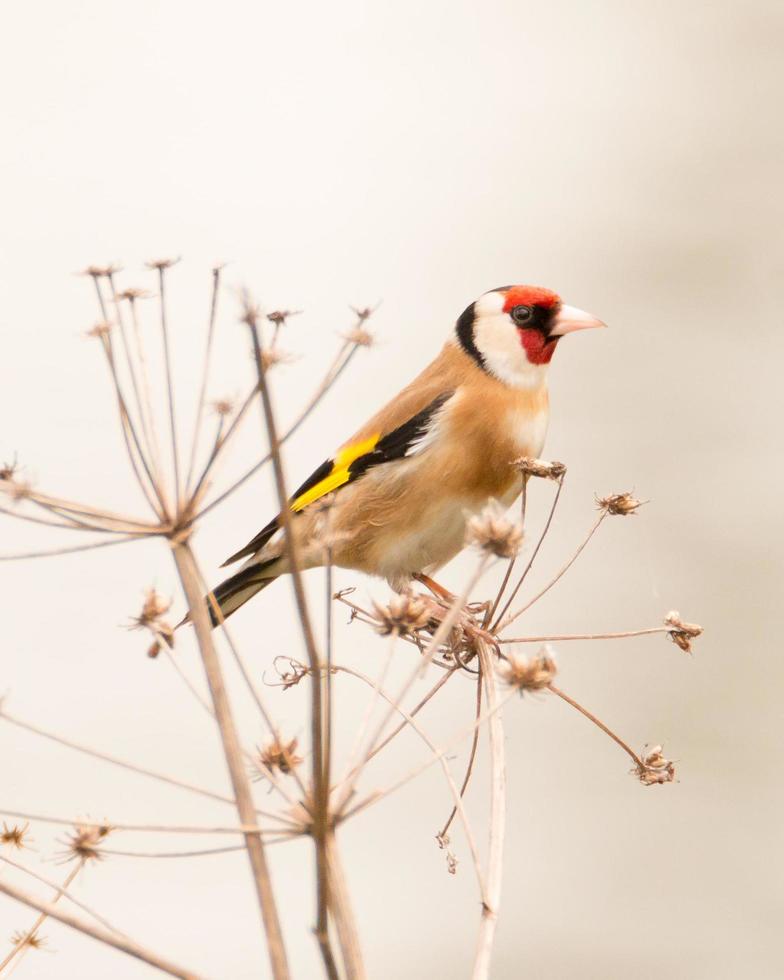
x=498 y=341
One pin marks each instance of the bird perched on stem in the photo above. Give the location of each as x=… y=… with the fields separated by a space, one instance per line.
x=409 y=479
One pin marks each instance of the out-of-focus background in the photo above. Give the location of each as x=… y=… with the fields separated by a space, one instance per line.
x=628 y=156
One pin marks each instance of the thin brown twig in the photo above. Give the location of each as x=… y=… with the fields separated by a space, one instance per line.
x=511 y=563
x=72 y=549
x=61 y=889
x=320 y=815
x=23 y=945
x=559 y=574
x=251 y=829
x=131 y=766
x=600 y=724
x=331 y=376
x=471 y=757
x=534 y=553
x=495 y=855
x=205 y=372
x=625 y=634
x=456 y=793
x=169 y=385
x=378 y=795
x=97 y=932
x=191 y=582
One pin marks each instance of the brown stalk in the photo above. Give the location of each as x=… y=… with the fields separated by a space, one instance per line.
x=625 y=634
x=97 y=932
x=331 y=376
x=510 y=566
x=169 y=384
x=320 y=813
x=72 y=549
x=599 y=724
x=562 y=571
x=471 y=757
x=205 y=372
x=495 y=855
x=24 y=944
x=534 y=553
x=61 y=891
x=190 y=578
x=131 y=766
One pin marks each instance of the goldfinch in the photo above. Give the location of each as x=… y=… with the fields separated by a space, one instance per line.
x=407 y=481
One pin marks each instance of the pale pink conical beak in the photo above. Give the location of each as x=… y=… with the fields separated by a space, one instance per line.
x=569 y=318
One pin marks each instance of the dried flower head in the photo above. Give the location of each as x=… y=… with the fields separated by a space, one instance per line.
x=681 y=633
x=359 y=336
x=84 y=842
x=151 y=618
x=279 y=317
x=134 y=293
x=31 y=939
x=405 y=613
x=161 y=264
x=655 y=768
x=289 y=675
x=620 y=503
x=363 y=312
x=18 y=489
x=530 y=673
x=8 y=470
x=529 y=466
x=102 y=329
x=494 y=532
x=271 y=356
x=15 y=836
x=97 y=271
x=278 y=755
x=222 y=406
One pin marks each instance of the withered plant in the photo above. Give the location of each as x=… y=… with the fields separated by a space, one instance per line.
x=314 y=793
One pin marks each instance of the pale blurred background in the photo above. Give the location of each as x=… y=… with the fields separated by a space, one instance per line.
x=628 y=156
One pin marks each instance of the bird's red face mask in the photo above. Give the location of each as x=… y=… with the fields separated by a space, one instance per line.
x=512 y=332
x=541 y=319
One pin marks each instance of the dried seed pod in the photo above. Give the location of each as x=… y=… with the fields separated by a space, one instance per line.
x=529 y=466
x=405 y=613
x=620 y=503
x=530 y=674
x=681 y=633
x=494 y=532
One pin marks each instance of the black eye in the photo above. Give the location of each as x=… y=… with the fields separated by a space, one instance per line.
x=522 y=314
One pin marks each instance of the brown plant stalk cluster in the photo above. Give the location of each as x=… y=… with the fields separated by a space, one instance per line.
x=311 y=789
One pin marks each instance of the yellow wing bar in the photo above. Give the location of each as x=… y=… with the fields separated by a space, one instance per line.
x=338 y=475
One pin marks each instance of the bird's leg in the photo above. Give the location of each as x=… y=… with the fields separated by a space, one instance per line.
x=434 y=587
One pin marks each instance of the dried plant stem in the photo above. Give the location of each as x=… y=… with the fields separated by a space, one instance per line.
x=441 y=633
x=457 y=794
x=599 y=724
x=512 y=561
x=97 y=932
x=147 y=397
x=413 y=713
x=561 y=572
x=252 y=829
x=343 y=914
x=320 y=813
x=190 y=578
x=68 y=526
x=282 y=838
x=72 y=549
x=61 y=891
x=534 y=553
x=495 y=857
x=471 y=758
x=337 y=367
x=131 y=766
x=625 y=634
x=169 y=384
x=98 y=516
x=24 y=945
x=205 y=372
x=435 y=757
x=140 y=407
